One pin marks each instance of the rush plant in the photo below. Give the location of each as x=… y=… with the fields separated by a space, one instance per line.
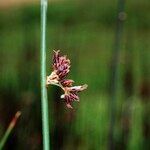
x=61 y=68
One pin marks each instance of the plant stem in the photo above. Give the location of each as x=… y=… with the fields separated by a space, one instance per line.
x=9 y=129
x=44 y=101
x=115 y=71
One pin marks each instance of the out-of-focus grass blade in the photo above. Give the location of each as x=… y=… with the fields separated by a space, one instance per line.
x=9 y=129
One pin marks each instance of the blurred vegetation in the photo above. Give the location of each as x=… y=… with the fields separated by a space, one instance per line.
x=85 y=32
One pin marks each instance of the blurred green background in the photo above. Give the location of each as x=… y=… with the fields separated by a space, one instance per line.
x=85 y=32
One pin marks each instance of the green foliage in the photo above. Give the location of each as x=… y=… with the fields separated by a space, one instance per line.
x=136 y=138
x=85 y=32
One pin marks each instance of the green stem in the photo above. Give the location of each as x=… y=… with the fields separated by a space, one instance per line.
x=44 y=101
x=9 y=129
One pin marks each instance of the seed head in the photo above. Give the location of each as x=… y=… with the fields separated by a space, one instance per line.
x=61 y=65
x=61 y=68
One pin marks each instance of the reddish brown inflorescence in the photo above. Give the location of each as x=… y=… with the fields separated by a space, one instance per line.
x=61 y=68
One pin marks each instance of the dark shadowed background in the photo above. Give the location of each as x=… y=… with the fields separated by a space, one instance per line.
x=109 y=51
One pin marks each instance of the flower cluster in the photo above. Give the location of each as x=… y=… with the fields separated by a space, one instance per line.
x=61 y=68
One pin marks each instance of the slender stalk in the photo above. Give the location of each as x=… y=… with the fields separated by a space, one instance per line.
x=44 y=101
x=9 y=129
x=115 y=70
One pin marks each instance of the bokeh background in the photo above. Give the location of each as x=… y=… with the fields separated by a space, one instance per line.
x=108 y=43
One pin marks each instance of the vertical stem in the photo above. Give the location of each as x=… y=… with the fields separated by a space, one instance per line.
x=115 y=70
x=44 y=101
